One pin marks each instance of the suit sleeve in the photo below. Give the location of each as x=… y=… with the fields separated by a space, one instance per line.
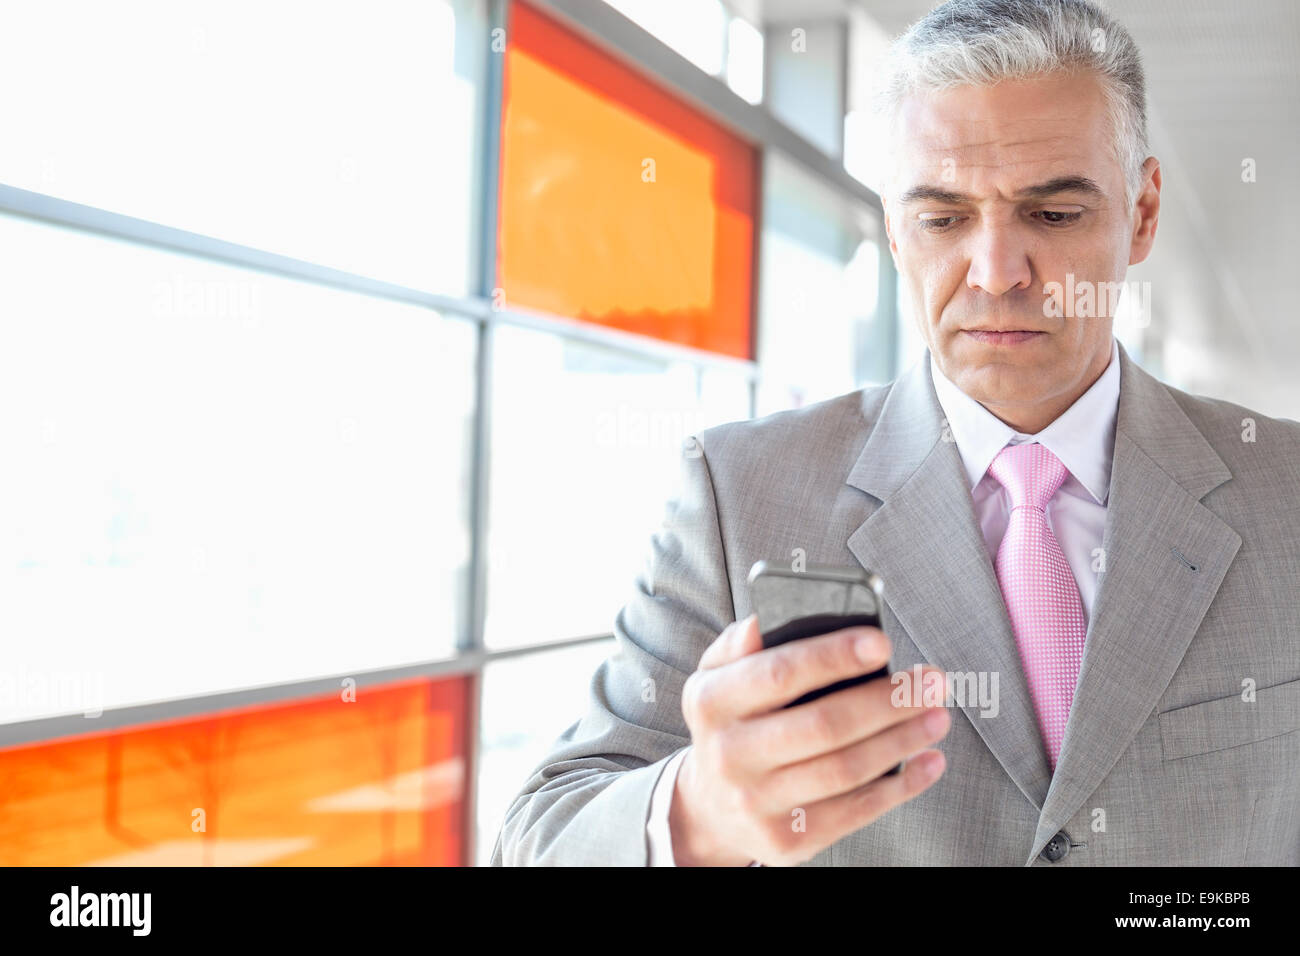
x=588 y=802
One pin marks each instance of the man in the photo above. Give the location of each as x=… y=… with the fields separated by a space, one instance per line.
x=1123 y=557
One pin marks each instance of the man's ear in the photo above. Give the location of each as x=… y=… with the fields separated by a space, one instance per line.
x=1146 y=212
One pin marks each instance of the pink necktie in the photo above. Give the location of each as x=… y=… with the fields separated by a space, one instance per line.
x=1041 y=595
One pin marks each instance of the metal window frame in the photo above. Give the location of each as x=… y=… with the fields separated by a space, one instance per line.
x=69 y=726
x=610 y=31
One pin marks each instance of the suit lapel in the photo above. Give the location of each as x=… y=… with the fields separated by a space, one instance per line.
x=925 y=543
x=1150 y=602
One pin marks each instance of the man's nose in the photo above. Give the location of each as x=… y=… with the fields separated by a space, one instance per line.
x=999 y=261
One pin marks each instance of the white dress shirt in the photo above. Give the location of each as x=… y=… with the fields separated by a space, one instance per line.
x=1082 y=437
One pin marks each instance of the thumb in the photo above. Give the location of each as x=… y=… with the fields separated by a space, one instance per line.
x=738 y=639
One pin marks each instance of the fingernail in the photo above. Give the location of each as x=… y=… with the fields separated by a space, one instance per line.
x=931 y=764
x=867 y=648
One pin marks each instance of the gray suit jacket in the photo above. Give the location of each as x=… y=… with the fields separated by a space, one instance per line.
x=1181 y=746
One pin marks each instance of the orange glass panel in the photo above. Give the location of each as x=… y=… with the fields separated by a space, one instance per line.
x=618 y=204
x=377 y=781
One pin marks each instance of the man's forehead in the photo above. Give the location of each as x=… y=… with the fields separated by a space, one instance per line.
x=926 y=126
x=1037 y=107
x=1020 y=134
x=1022 y=161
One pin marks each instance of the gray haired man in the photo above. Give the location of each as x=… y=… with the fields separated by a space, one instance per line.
x=1038 y=506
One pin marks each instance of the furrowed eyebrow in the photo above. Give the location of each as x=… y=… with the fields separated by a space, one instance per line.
x=1061 y=184
x=933 y=194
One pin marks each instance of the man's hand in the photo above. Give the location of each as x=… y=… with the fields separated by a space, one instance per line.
x=751 y=763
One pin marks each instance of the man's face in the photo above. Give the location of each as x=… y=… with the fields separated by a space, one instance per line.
x=998 y=192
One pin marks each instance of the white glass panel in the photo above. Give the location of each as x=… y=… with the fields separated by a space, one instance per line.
x=216 y=478
x=328 y=131
x=819 y=335
x=528 y=702
x=865 y=134
x=694 y=28
x=586 y=447
x=724 y=396
x=745 y=60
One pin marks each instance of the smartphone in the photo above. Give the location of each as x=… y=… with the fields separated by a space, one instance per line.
x=819 y=598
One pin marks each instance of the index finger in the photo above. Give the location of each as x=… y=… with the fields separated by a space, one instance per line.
x=771 y=678
x=736 y=640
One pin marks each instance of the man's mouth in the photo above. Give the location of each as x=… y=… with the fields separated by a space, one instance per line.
x=1007 y=337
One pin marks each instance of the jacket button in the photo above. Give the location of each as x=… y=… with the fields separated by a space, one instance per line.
x=1057 y=847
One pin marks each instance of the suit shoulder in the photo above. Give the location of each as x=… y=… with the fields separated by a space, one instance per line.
x=830 y=423
x=1243 y=437
x=1220 y=416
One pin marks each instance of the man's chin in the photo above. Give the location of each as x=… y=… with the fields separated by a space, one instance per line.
x=998 y=384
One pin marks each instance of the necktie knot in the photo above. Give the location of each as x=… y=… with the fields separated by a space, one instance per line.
x=1030 y=473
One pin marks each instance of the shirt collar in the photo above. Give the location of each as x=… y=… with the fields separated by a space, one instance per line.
x=1082 y=437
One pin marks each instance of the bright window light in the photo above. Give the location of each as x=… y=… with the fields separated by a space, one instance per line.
x=694 y=28
x=745 y=60
x=865 y=158
x=220 y=479
x=307 y=129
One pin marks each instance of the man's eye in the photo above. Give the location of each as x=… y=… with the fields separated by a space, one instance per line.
x=938 y=225
x=1055 y=217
